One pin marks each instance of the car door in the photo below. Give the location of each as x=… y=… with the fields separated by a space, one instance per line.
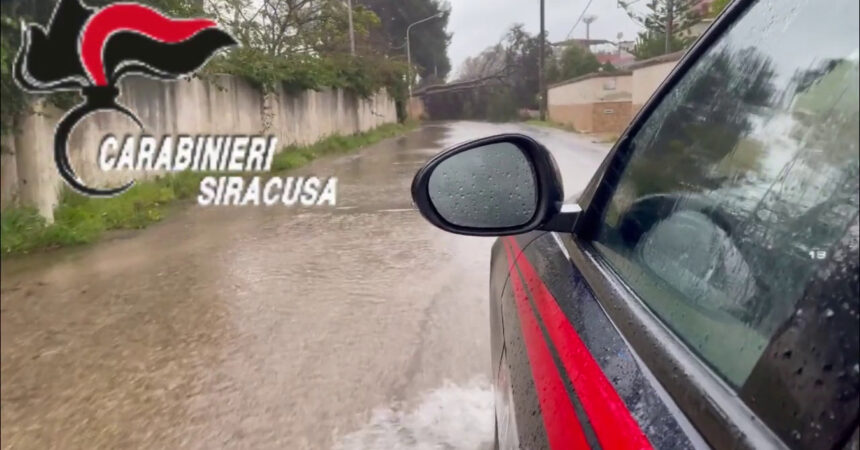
x=708 y=293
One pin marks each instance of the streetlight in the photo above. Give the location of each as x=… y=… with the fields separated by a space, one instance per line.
x=408 y=50
x=588 y=20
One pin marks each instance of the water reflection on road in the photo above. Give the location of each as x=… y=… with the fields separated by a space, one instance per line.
x=358 y=326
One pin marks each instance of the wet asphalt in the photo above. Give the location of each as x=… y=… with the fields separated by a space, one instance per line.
x=351 y=327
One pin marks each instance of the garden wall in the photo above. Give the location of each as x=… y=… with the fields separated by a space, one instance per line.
x=220 y=105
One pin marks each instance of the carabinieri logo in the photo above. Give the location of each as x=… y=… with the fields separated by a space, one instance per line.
x=90 y=50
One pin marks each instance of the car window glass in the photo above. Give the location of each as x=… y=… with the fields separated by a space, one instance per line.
x=742 y=179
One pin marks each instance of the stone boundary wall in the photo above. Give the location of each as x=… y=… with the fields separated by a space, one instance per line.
x=219 y=105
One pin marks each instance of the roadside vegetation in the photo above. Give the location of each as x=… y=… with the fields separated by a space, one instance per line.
x=502 y=78
x=603 y=138
x=551 y=124
x=295 y=156
x=79 y=219
x=293 y=45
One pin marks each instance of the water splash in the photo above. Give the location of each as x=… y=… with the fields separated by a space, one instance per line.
x=450 y=417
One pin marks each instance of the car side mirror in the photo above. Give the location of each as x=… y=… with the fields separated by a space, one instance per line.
x=499 y=185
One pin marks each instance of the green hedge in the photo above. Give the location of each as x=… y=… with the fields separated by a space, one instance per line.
x=362 y=75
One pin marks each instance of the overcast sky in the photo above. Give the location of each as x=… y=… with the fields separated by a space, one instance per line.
x=478 y=24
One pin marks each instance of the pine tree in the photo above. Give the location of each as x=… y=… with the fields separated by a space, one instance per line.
x=667 y=24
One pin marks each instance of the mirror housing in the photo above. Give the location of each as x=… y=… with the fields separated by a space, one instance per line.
x=548 y=191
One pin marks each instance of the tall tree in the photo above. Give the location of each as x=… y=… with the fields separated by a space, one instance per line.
x=277 y=27
x=666 y=25
x=332 y=35
x=522 y=52
x=575 y=61
x=489 y=62
x=428 y=41
x=509 y=80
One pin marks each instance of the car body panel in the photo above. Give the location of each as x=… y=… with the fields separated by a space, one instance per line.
x=542 y=261
x=802 y=391
x=818 y=406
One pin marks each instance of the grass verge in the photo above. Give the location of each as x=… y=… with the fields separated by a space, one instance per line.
x=295 y=156
x=79 y=219
x=550 y=124
x=602 y=138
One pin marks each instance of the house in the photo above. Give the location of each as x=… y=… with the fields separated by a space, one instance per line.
x=616 y=53
x=627 y=46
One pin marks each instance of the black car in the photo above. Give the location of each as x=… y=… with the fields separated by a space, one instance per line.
x=702 y=291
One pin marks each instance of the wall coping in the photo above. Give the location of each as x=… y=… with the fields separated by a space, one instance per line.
x=619 y=96
x=616 y=73
x=669 y=57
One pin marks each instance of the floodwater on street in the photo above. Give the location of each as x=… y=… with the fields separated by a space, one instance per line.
x=350 y=327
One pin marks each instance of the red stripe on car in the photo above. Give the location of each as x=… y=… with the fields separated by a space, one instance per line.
x=612 y=422
x=559 y=418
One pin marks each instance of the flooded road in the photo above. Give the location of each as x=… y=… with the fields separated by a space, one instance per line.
x=355 y=326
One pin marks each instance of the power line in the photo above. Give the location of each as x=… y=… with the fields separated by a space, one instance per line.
x=584 y=10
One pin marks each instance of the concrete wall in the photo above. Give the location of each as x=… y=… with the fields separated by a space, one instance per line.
x=590 y=90
x=647 y=79
x=582 y=103
x=226 y=105
x=610 y=117
x=605 y=103
x=415 y=109
x=8 y=173
x=598 y=117
x=577 y=116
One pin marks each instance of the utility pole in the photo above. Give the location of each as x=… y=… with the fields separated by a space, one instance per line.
x=541 y=61
x=351 y=30
x=670 y=18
